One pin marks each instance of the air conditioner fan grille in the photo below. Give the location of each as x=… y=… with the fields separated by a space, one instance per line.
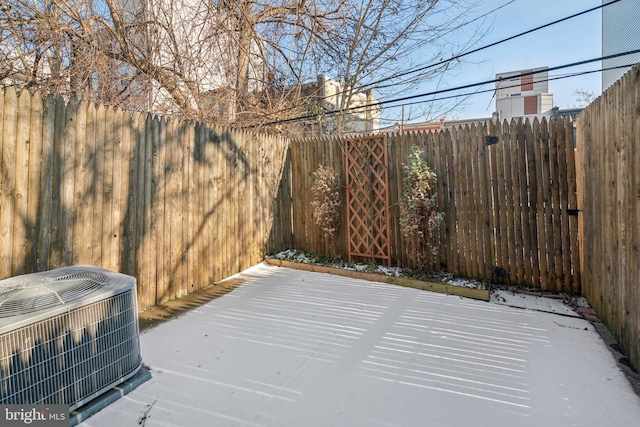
x=18 y=298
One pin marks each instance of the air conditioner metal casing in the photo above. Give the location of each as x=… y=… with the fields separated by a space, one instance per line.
x=67 y=335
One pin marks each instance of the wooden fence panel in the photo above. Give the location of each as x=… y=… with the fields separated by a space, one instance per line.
x=434 y=164
x=502 y=203
x=394 y=191
x=555 y=206
x=98 y=183
x=181 y=205
x=464 y=203
x=450 y=204
x=522 y=190
x=46 y=193
x=514 y=189
x=20 y=185
x=130 y=197
x=87 y=189
x=545 y=205
x=35 y=182
x=485 y=223
x=197 y=232
x=168 y=178
x=507 y=205
x=174 y=229
x=227 y=220
x=497 y=229
x=107 y=206
x=297 y=166
x=5 y=264
x=209 y=209
x=474 y=204
x=439 y=162
x=456 y=208
x=220 y=194
x=539 y=205
x=608 y=149
x=564 y=204
x=8 y=181
x=80 y=174
x=183 y=210
x=530 y=141
x=573 y=209
x=116 y=237
x=177 y=204
x=633 y=281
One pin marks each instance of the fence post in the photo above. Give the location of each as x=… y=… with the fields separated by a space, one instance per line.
x=7 y=180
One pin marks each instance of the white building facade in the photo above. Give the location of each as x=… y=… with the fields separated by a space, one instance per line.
x=329 y=94
x=523 y=93
x=620 y=33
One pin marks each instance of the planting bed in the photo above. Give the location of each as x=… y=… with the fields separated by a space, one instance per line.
x=440 y=282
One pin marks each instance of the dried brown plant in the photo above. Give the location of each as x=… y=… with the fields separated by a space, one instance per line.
x=326 y=201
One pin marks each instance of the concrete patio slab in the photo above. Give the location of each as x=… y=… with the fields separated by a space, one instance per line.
x=295 y=348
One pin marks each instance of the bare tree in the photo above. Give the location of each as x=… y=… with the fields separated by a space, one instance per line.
x=233 y=62
x=193 y=58
x=288 y=36
x=58 y=47
x=387 y=43
x=584 y=97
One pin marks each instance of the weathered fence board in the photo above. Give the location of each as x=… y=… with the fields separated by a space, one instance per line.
x=179 y=205
x=20 y=190
x=35 y=180
x=608 y=150
x=532 y=196
x=505 y=204
x=7 y=183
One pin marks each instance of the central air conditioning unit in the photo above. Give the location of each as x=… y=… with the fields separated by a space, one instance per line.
x=67 y=335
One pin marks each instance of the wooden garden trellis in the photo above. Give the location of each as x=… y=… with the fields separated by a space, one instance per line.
x=368 y=198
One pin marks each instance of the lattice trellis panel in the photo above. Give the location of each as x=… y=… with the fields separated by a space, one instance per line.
x=368 y=198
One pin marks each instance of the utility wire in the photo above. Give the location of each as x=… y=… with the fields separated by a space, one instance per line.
x=426 y=67
x=437 y=92
x=564 y=76
x=364 y=86
x=395 y=76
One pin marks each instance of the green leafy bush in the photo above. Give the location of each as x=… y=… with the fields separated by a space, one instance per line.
x=419 y=220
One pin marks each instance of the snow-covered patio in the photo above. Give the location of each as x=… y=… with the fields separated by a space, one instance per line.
x=294 y=348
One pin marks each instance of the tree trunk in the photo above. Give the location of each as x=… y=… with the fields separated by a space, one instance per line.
x=245 y=29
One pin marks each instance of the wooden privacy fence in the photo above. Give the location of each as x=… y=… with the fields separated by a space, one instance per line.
x=176 y=204
x=509 y=201
x=609 y=152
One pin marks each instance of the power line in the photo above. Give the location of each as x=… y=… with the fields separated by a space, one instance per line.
x=364 y=86
x=437 y=92
x=575 y=15
x=564 y=76
x=398 y=75
x=560 y=77
x=530 y=73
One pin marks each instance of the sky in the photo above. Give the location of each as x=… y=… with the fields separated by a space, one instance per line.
x=574 y=40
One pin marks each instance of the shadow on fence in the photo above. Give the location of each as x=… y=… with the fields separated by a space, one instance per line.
x=177 y=204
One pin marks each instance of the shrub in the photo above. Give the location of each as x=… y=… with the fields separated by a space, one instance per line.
x=419 y=220
x=326 y=201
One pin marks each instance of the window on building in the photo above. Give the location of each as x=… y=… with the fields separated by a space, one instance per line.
x=526 y=82
x=530 y=105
